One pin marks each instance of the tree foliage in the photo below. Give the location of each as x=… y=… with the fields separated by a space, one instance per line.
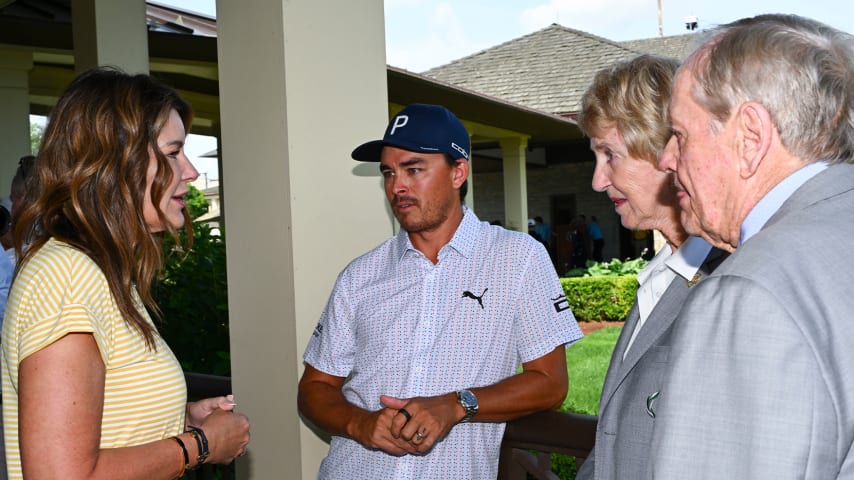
x=196 y=203
x=614 y=268
x=193 y=298
x=36 y=134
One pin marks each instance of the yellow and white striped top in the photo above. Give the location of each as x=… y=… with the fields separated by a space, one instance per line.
x=60 y=291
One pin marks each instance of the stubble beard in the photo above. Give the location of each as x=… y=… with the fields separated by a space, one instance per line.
x=424 y=218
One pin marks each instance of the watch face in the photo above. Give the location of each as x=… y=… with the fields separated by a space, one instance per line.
x=468 y=398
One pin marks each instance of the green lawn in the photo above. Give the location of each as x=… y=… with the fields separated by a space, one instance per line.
x=587 y=362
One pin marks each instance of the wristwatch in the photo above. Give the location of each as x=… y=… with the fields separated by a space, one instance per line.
x=469 y=403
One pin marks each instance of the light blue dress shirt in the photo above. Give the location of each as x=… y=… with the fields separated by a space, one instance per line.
x=774 y=199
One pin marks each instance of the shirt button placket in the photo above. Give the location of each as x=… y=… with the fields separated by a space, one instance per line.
x=422 y=335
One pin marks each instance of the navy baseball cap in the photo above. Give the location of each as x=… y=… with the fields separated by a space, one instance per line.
x=420 y=128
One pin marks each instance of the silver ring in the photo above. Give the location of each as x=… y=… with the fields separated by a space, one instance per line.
x=419 y=436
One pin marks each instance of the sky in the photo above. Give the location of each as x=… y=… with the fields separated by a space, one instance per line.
x=421 y=34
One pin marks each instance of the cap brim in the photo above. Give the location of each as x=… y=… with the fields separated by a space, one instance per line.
x=372 y=151
x=368 y=152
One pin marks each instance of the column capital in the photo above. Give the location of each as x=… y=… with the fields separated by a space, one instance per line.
x=513 y=143
x=15 y=66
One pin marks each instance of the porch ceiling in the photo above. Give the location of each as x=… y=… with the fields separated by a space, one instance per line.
x=189 y=63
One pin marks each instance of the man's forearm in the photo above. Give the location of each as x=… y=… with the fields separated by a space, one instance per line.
x=327 y=408
x=541 y=386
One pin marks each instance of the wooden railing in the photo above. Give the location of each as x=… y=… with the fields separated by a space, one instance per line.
x=543 y=433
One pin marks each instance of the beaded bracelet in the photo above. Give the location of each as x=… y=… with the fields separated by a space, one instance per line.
x=201 y=442
x=185 y=465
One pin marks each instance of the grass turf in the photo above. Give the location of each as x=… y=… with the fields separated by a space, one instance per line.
x=587 y=362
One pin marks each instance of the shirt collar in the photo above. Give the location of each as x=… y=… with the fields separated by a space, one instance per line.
x=465 y=237
x=689 y=257
x=774 y=199
x=463 y=240
x=685 y=261
x=654 y=264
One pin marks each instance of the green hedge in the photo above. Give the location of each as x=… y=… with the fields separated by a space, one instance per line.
x=595 y=299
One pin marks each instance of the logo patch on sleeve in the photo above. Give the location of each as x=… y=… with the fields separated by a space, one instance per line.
x=561 y=303
x=317 y=330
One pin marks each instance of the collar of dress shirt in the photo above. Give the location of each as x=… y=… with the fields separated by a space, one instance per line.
x=653 y=264
x=689 y=257
x=774 y=199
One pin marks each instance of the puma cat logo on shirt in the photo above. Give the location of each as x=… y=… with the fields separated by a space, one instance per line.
x=475 y=297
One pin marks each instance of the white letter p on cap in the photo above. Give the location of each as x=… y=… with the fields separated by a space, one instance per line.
x=399 y=121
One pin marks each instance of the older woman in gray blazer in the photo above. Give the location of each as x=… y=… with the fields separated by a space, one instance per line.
x=624 y=112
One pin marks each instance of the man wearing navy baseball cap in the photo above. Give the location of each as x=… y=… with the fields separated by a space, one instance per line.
x=412 y=367
x=422 y=128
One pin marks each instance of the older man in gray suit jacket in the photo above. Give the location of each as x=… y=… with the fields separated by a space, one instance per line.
x=759 y=385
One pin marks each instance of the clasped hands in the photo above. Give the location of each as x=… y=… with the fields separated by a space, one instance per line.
x=227 y=431
x=409 y=426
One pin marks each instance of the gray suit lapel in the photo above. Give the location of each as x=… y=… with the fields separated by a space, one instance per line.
x=660 y=319
x=611 y=379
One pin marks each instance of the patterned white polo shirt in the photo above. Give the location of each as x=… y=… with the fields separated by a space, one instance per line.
x=399 y=325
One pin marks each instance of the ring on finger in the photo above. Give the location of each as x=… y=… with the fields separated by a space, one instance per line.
x=419 y=436
x=405 y=413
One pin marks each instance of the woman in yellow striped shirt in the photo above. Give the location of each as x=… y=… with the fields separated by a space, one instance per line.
x=90 y=389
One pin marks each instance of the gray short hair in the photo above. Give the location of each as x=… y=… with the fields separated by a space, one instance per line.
x=800 y=70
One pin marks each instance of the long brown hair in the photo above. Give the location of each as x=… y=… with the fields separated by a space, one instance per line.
x=89 y=180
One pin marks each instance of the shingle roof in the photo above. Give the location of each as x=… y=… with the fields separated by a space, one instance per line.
x=547 y=70
x=676 y=46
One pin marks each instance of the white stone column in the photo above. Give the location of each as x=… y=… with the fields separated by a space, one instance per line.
x=15 y=66
x=302 y=82
x=110 y=32
x=515 y=183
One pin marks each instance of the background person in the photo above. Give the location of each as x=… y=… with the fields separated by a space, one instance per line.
x=596 y=237
x=624 y=112
x=543 y=229
x=532 y=231
x=90 y=389
x=16 y=199
x=11 y=204
x=413 y=366
x=760 y=382
x=577 y=237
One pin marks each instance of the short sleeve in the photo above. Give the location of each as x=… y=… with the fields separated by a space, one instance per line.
x=545 y=320
x=60 y=295
x=332 y=346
